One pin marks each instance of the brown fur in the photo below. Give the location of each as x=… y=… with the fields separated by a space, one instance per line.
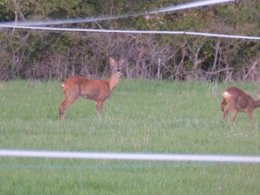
x=235 y=100
x=97 y=90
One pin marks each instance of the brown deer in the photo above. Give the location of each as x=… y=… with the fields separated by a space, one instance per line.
x=97 y=90
x=235 y=100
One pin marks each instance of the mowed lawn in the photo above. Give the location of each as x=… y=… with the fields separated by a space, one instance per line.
x=140 y=117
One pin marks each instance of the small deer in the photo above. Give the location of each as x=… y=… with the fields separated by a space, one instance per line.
x=97 y=90
x=235 y=100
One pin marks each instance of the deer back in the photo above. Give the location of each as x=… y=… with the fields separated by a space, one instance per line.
x=238 y=99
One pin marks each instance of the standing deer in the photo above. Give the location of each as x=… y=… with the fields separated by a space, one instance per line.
x=235 y=100
x=97 y=90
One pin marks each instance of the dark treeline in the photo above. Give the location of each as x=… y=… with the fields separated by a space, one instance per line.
x=39 y=54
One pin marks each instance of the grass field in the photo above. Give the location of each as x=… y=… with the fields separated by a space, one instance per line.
x=141 y=116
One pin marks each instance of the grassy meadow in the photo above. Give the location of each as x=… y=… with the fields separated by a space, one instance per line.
x=141 y=116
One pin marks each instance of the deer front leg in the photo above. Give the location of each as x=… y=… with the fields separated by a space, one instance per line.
x=99 y=107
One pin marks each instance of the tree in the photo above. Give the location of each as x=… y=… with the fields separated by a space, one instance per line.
x=55 y=55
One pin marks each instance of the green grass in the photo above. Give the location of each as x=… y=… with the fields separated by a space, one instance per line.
x=140 y=116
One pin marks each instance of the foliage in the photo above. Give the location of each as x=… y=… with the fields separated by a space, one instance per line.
x=55 y=55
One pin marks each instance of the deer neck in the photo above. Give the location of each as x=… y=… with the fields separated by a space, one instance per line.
x=257 y=103
x=114 y=80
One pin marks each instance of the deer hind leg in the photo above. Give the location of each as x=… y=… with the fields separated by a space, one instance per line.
x=234 y=115
x=224 y=108
x=68 y=100
x=223 y=104
x=230 y=110
x=225 y=112
x=250 y=115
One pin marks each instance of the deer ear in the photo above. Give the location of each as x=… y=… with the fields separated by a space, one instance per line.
x=258 y=94
x=121 y=61
x=112 y=61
